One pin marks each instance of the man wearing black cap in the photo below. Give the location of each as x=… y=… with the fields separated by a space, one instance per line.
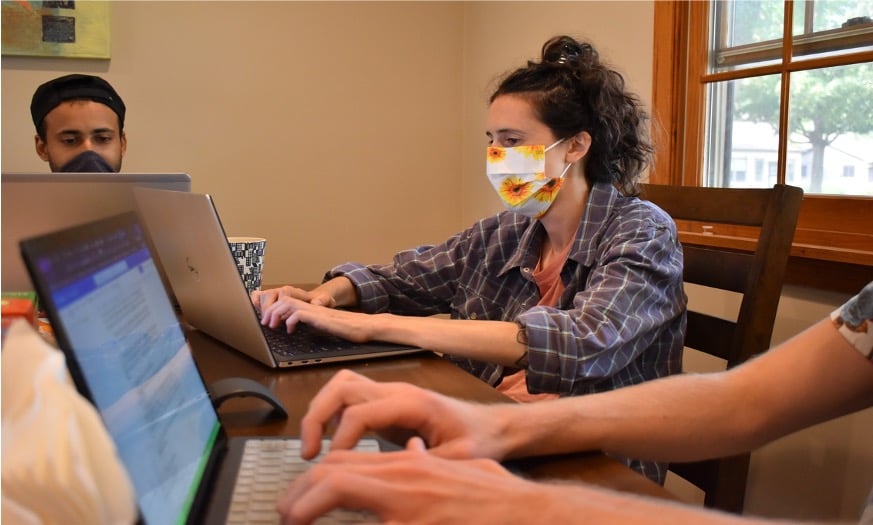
x=79 y=123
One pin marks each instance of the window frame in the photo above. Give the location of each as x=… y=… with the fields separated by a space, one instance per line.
x=833 y=244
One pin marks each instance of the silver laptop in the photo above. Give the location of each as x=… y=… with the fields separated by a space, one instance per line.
x=127 y=354
x=37 y=203
x=190 y=242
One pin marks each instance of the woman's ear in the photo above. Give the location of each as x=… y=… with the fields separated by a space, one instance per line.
x=579 y=146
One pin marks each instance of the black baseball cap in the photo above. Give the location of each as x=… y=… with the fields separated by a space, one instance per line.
x=49 y=95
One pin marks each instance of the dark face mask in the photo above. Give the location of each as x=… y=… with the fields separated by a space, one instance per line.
x=87 y=162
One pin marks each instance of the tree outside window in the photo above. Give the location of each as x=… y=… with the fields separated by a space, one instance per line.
x=829 y=106
x=786 y=84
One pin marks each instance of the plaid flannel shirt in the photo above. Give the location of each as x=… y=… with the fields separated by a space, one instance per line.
x=620 y=321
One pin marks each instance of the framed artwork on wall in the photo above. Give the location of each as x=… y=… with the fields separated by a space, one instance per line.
x=72 y=28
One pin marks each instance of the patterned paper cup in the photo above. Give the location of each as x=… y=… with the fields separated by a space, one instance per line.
x=248 y=252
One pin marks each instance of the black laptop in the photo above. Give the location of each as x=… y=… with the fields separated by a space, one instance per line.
x=128 y=355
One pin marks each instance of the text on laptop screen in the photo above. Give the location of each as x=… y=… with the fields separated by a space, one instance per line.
x=133 y=356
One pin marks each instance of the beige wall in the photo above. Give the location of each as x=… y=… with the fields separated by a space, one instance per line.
x=822 y=472
x=311 y=124
x=347 y=131
x=500 y=37
x=289 y=113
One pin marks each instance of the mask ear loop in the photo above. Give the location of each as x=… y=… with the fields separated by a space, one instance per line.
x=567 y=167
x=553 y=145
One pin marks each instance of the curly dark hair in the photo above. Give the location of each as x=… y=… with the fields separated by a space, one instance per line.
x=572 y=91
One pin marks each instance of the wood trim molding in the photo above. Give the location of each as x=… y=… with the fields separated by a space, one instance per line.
x=668 y=94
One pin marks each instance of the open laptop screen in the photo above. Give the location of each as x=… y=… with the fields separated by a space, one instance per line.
x=128 y=355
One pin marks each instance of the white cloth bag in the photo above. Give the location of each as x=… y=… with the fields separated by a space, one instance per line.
x=59 y=464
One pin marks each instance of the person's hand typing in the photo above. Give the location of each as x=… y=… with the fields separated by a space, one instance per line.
x=357 y=405
x=411 y=486
x=263 y=299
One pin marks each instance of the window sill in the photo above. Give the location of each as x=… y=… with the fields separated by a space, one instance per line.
x=828 y=275
x=813 y=266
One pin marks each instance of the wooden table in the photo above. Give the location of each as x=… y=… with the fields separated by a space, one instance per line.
x=296 y=386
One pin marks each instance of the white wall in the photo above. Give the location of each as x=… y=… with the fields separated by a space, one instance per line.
x=349 y=130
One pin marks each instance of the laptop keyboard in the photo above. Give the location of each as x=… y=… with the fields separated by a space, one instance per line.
x=268 y=467
x=304 y=340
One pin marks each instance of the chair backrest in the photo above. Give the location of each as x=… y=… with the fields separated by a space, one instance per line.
x=718 y=230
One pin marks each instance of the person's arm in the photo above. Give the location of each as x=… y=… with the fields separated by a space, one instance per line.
x=491 y=341
x=340 y=290
x=418 y=283
x=815 y=376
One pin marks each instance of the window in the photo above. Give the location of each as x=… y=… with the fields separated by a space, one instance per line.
x=738 y=171
x=789 y=83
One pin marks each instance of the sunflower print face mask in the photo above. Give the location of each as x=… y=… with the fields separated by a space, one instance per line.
x=518 y=175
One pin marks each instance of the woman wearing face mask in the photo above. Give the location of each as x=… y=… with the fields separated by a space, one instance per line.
x=575 y=288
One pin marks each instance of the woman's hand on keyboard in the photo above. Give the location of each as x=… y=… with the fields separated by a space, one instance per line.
x=263 y=299
x=288 y=311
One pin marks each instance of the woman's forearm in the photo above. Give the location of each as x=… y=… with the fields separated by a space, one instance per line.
x=489 y=341
x=342 y=290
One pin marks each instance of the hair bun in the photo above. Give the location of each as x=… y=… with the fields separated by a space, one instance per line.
x=566 y=50
x=561 y=50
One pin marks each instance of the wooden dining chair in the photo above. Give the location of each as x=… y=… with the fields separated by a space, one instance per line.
x=737 y=240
